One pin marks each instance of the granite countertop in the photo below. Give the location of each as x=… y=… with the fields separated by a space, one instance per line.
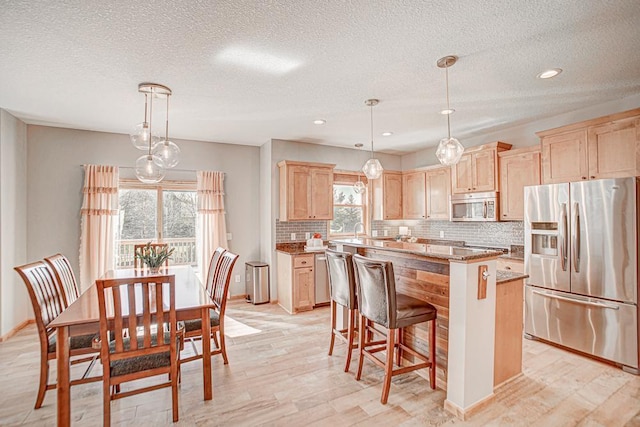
x=295 y=248
x=447 y=252
x=503 y=276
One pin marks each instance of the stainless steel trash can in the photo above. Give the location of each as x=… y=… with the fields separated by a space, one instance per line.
x=256 y=275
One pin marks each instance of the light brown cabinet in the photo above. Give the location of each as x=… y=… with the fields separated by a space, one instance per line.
x=387 y=196
x=515 y=266
x=477 y=170
x=414 y=188
x=606 y=147
x=295 y=282
x=518 y=168
x=438 y=192
x=306 y=191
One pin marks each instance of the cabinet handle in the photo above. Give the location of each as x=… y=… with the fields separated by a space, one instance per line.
x=507 y=268
x=303 y=262
x=584 y=177
x=593 y=177
x=468 y=189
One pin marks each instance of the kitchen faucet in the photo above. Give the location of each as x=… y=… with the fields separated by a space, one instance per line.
x=355 y=229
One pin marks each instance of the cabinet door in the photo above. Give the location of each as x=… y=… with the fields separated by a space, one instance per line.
x=299 y=193
x=484 y=170
x=462 y=175
x=413 y=195
x=303 y=289
x=516 y=172
x=564 y=157
x=321 y=193
x=392 y=196
x=613 y=149
x=438 y=192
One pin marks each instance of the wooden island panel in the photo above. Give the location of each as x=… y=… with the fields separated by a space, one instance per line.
x=426 y=279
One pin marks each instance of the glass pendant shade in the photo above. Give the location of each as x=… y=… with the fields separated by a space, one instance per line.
x=358 y=187
x=150 y=169
x=449 y=151
x=140 y=136
x=372 y=169
x=168 y=151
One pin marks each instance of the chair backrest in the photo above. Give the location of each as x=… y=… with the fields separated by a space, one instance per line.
x=214 y=266
x=342 y=285
x=129 y=308
x=222 y=280
x=64 y=274
x=136 y=248
x=376 y=290
x=45 y=295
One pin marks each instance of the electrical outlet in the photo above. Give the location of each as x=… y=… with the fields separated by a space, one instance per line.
x=386 y=233
x=293 y=236
x=237 y=278
x=307 y=235
x=229 y=236
x=375 y=233
x=442 y=234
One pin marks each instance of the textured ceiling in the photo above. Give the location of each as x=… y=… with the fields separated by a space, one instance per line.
x=78 y=63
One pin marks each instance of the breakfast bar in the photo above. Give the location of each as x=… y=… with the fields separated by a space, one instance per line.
x=461 y=283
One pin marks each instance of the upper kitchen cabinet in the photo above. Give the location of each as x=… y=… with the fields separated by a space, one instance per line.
x=387 y=196
x=425 y=193
x=477 y=170
x=306 y=191
x=606 y=147
x=413 y=195
x=518 y=168
x=438 y=192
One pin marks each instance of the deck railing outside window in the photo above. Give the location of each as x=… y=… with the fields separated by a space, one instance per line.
x=185 y=253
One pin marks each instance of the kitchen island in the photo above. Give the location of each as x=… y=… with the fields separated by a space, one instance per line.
x=450 y=278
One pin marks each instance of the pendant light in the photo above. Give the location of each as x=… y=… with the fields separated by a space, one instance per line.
x=359 y=186
x=167 y=150
x=449 y=149
x=372 y=168
x=150 y=168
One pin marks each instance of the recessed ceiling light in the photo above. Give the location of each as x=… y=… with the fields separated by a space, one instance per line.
x=547 y=74
x=319 y=122
x=447 y=111
x=387 y=133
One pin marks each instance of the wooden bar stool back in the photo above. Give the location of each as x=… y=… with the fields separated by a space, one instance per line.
x=379 y=303
x=64 y=274
x=47 y=302
x=342 y=288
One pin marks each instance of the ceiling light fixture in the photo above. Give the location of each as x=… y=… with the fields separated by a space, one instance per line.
x=319 y=122
x=387 y=133
x=447 y=111
x=547 y=74
x=449 y=149
x=151 y=167
x=359 y=186
x=372 y=168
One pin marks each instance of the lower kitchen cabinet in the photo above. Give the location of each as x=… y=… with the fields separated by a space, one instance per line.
x=296 y=283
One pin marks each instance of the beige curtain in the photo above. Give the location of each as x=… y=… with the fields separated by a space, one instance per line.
x=99 y=219
x=211 y=229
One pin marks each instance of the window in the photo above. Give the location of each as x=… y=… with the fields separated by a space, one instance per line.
x=349 y=208
x=165 y=214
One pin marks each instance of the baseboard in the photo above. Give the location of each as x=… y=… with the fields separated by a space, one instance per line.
x=17 y=329
x=464 y=414
x=236 y=297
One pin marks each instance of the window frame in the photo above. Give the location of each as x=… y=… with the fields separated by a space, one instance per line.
x=349 y=178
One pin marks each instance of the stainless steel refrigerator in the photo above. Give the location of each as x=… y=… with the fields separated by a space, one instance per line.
x=581 y=255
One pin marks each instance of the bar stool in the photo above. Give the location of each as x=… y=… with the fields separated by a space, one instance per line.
x=342 y=288
x=379 y=303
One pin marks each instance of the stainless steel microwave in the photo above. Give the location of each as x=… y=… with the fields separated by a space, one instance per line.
x=474 y=207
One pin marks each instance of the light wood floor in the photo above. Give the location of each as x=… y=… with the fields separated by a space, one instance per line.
x=279 y=374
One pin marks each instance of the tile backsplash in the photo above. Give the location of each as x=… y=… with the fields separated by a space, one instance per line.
x=285 y=228
x=498 y=234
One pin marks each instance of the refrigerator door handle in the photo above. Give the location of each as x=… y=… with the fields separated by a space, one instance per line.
x=576 y=238
x=577 y=301
x=563 y=237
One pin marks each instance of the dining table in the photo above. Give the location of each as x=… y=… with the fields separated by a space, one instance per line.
x=83 y=317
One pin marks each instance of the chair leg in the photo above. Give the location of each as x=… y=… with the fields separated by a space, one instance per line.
x=215 y=339
x=175 y=371
x=388 y=367
x=432 y=355
x=223 y=348
x=350 y=334
x=399 y=350
x=361 y=338
x=333 y=326
x=106 y=402
x=44 y=379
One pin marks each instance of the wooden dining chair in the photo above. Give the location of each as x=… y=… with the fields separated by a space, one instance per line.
x=214 y=265
x=130 y=309
x=138 y=263
x=65 y=277
x=47 y=302
x=193 y=328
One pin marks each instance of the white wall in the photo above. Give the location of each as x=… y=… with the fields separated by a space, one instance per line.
x=14 y=300
x=524 y=135
x=55 y=179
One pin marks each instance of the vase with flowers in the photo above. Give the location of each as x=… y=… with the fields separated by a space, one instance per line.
x=153 y=256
